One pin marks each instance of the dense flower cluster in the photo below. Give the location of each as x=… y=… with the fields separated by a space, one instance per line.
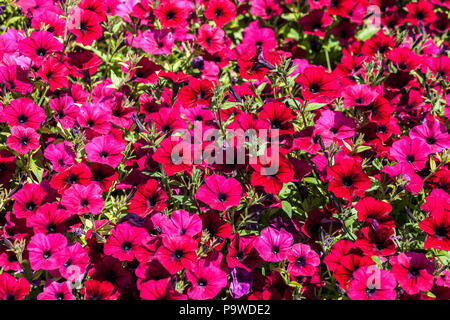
x=351 y=99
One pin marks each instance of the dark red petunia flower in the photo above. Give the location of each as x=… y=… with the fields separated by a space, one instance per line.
x=242 y=253
x=7 y=167
x=103 y=174
x=316 y=22
x=161 y=289
x=348 y=264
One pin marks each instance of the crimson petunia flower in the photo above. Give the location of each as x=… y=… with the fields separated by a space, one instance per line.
x=95 y=117
x=219 y=192
x=207 y=281
x=348 y=179
x=421 y=11
x=27 y=200
x=66 y=111
x=221 y=12
x=99 y=290
x=54 y=73
x=437 y=227
x=271 y=173
x=375 y=213
x=279 y=117
x=348 y=265
x=12 y=288
x=177 y=252
x=103 y=174
x=358 y=95
x=47 y=252
x=376 y=242
x=106 y=150
x=340 y=249
x=60 y=155
x=303 y=261
x=123 y=241
x=273 y=245
x=149 y=197
x=372 y=283
x=76 y=174
x=39 y=45
x=404 y=59
x=317 y=83
x=81 y=199
x=196 y=92
x=172 y=156
x=85 y=25
x=413 y=271
x=172 y=14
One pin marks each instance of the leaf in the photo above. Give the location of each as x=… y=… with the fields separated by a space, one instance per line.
x=362 y=148
x=314 y=106
x=287 y=208
x=366 y=33
x=347 y=145
x=116 y=80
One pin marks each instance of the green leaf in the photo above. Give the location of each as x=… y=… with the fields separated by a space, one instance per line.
x=362 y=148
x=117 y=82
x=314 y=106
x=366 y=33
x=287 y=208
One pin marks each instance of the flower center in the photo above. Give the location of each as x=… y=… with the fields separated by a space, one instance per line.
x=46 y=254
x=314 y=88
x=441 y=232
x=201 y=282
x=178 y=254
x=347 y=181
x=126 y=246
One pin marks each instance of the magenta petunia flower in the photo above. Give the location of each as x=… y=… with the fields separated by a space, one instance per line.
x=333 y=125
x=182 y=223
x=80 y=199
x=47 y=252
x=56 y=291
x=39 y=45
x=372 y=283
x=106 y=150
x=273 y=245
x=303 y=261
x=432 y=133
x=412 y=151
x=219 y=192
x=23 y=112
x=160 y=289
x=206 y=279
x=48 y=219
x=23 y=140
